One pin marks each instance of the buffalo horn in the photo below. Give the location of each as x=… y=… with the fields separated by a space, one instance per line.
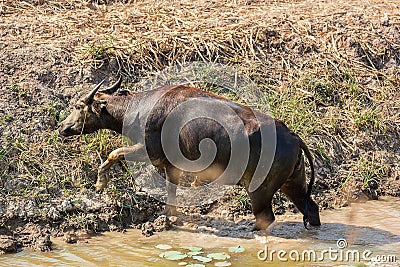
x=110 y=90
x=88 y=99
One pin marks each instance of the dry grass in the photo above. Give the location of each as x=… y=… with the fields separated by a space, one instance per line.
x=328 y=69
x=156 y=33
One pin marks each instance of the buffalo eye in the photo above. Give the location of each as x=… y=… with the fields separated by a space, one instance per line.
x=78 y=107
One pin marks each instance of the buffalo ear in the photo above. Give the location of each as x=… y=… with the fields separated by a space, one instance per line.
x=99 y=105
x=103 y=104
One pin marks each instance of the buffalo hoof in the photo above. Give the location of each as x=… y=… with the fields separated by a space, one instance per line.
x=101 y=182
x=313 y=214
x=262 y=224
x=314 y=221
x=170 y=210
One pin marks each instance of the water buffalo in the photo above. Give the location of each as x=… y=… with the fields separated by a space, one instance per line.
x=106 y=109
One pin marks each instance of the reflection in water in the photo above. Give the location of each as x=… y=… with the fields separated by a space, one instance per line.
x=374 y=226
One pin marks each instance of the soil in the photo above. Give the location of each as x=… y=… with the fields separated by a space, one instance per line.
x=47 y=183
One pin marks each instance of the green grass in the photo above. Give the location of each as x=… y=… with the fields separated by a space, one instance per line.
x=370 y=118
x=295 y=110
x=83 y=221
x=53 y=109
x=242 y=200
x=3 y=152
x=325 y=91
x=5 y=119
x=98 y=51
x=18 y=90
x=368 y=171
x=371 y=171
x=102 y=141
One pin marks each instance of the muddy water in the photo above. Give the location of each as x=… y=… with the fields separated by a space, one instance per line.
x=370 y=229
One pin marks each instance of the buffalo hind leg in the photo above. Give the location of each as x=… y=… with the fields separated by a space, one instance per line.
x=261 y=203
x=172 y=181
x=135 y=153
x=296 y=189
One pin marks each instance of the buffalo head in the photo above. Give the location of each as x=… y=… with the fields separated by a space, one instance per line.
x=87 y=114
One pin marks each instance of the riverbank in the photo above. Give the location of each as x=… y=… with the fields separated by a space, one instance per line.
x=328 y=70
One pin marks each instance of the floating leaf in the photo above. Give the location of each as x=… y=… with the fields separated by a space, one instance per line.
x=195 y=249
x=202 y=259
x=176 y=257
x=223 y=263
x=182 y=263
x=196 y=265
x=219 y=256
x=236 y=249
x=173 y=255
x=163 y=246
x=193 y=253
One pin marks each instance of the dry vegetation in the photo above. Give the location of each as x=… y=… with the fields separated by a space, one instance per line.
x=329 y=70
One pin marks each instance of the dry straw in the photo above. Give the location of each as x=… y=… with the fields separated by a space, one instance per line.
x=152 y=34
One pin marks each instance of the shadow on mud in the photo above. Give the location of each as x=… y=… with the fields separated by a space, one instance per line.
x=327 y=232
x=358 y=235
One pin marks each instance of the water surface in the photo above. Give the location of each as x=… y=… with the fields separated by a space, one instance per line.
x=372 y=227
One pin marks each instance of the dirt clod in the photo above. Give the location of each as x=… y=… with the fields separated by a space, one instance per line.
x=148 y=229
x=162 y=223
x=8 y=244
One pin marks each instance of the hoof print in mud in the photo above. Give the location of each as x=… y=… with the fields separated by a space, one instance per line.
x=70 y=237
x=43 y=243
x=175 y=221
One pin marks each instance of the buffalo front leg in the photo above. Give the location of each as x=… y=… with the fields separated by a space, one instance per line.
x=135 y=153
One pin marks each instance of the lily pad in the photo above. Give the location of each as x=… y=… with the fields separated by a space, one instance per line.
x=223 y=263
x=202 y=259
x=236 y=249
x=195 y=249
x=194 y=253
x=163 y=246
x=219 y=256
x=173 y=255
x=196 y=265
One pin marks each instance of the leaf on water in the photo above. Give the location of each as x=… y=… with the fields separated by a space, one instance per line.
x=223 y=263
x=236 y=249
x=193 y=253
x=163 y=246
x=173 y=255
x=182 y=263
x=202 y=259
x=219 y=256
x=194 y=249
x=196 y=265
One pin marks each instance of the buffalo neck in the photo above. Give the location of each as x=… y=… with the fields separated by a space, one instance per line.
x=116 y=109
